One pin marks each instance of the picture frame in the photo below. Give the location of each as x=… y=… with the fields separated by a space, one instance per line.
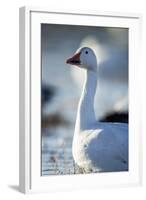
x=30 y=179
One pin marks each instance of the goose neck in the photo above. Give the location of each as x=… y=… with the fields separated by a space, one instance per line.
x=86 y=115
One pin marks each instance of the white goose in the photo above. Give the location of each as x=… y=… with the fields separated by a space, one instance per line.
x=97 y=146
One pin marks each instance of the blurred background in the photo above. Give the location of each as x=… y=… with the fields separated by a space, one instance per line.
x=62 y=85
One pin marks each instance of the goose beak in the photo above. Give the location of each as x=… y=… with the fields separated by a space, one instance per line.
x=75 y=60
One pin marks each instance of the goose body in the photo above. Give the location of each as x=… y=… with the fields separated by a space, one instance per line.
x=97 y=146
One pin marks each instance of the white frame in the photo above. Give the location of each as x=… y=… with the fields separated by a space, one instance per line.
x=30 y=179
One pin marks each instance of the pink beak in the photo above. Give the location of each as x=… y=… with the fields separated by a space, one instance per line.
x=75 y=60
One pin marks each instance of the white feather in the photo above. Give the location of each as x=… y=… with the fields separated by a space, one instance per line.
x=97 y=147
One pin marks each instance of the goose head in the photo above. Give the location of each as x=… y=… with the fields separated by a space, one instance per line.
x=84 y=58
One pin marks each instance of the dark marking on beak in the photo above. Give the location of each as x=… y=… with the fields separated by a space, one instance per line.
x=75 y=60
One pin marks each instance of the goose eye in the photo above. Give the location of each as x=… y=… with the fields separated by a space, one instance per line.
x=86 y=52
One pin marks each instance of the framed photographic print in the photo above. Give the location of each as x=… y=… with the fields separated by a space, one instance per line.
x=79 y=105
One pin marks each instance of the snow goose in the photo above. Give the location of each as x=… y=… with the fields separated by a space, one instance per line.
x=97 y=146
